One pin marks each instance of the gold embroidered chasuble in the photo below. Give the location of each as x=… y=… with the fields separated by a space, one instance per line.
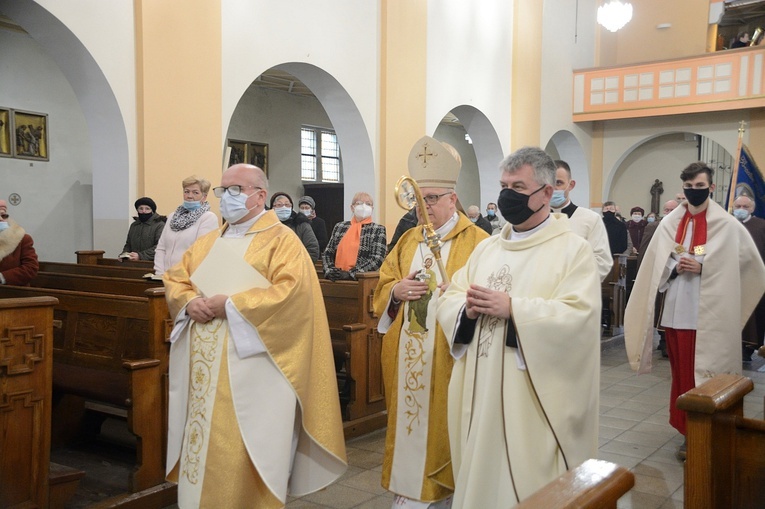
x=290 y=320
x=505 y=411
x=435 y=476
x=732 y=283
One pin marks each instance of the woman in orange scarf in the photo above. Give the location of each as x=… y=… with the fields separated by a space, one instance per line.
x=358 y=245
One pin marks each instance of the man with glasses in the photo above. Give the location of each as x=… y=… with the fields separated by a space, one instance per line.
x=415 y=358
x=18 y=259
x=707 y=266
x=253 y=413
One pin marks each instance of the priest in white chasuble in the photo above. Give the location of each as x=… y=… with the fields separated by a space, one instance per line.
x=254 y=413
x=523 y=324
x=415 y=358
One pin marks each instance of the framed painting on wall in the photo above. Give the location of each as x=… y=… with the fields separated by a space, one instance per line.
x=5 y=132
x=257 y=154
x=31 y=135
x=238 y=152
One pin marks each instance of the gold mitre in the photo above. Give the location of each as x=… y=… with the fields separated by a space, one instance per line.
x=434 y=164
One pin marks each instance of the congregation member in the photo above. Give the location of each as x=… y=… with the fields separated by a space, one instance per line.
x=357 y=245
x=474 y=214
x=191 y=220
x=754 y=331
x=407 y=221
x=524 y=297
x=636 y=226
x=18 y=259
x=706 y=264
x=615 y=229
x=416 y=362
x=494 y=218
x=582 y=221
x=281 y=203
x=254 y=413
x=307 y=206
x=650 y=229
x=143 y=235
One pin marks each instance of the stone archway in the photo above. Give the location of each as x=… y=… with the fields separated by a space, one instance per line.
x=570 y=150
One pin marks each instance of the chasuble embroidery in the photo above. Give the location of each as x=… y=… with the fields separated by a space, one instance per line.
x=500 y=281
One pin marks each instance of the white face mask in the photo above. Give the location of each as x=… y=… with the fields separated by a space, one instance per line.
x=234 y=208
x=362 y=211
x=740 y=214
x=636 y=217
x=306 y=212
x=4 y=225
x=283 y=213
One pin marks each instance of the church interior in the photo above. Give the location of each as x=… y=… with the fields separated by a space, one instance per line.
x=133 y=96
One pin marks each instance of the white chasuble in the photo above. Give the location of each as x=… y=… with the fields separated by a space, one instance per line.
x=415 y=371
x=518 y=417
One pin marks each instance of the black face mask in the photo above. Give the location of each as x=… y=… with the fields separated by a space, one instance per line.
x=145 y=217
x=514 y=206
x=696 y=196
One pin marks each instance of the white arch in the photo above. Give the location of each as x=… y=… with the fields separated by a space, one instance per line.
x=570 y=150
x=488 y=149
x=106 y=127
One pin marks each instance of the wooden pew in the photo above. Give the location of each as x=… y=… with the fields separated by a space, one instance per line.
x=97 y=258
x=94 y=284
x=26 y=362
x=593 y=484
x=725 y=463
x=93 y=270
x=113 y=349
x=357 y=346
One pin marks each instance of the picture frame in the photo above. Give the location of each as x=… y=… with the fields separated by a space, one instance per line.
x=5 y=132
x=238 y=152
x=30 y=135
x=257 y=154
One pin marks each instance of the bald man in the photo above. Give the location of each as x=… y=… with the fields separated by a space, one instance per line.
x=253 y=413
x=754 y=331
x=18 y=259
x=474 y=214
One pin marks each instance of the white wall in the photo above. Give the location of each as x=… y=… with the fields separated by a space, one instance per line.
x=332 y=47
x=56 y=195
x=660 y=158
x=274 y=117
x=469 y=63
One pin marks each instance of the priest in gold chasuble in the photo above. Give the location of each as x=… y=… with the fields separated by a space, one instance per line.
x=415 y=358
x=254 y=413
x=523 y=323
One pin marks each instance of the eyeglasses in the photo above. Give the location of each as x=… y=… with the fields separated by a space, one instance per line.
x=432 y=199
x=234 y=190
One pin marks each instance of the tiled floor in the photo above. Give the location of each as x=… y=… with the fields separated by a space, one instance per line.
x=634 y=433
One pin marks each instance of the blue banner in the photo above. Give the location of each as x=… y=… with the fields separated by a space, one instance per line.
x=749 y=182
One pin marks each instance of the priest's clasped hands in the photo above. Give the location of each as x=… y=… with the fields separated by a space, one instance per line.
x=410 y=288
x=688 y=264
x=203 y=309
x=483 y=301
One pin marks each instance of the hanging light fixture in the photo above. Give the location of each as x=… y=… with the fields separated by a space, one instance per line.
x=614 y=14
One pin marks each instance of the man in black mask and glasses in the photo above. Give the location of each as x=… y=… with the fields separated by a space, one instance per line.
x=707 y=266
x=524 y=297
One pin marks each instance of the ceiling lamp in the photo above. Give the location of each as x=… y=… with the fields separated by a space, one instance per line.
x=614 y=14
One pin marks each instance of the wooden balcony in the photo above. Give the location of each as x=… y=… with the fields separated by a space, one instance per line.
x=725 y=80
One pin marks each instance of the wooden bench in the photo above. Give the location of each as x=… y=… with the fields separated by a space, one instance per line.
x=113 y=349
x=93 y=270
x=94 y=284
x=97 y=258
x=725 y=463
x=593 y=484
x=357 y=346
x=26 y=365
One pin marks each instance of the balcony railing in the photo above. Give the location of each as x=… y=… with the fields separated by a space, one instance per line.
x=725 y=80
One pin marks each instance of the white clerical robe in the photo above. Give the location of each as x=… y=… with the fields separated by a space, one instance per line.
x=732 y=282
x=516 y=422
